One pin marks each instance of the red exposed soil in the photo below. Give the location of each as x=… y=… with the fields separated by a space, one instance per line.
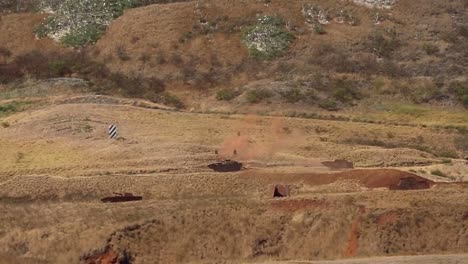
x=353 y=240
x=379 y=178
x=297 y=205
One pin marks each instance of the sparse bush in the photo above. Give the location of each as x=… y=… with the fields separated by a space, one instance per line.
x=448 y=154
x=122 y=53
x=59 y=68
x=258 y=95
x=438 y=173
x=461 y=142
x=5 y=124
x=293 y=95
x=171 y=100
x=430 y=48
x=329 y=105
x=345 y=91
x=348 y=17
x=144 y=57
x=8 y=108
x=315 y=15
x=461 y=91
x=319 y=29
x=446 y=161
x=18 y=6
x=268 y=38
x=383 y=43
x=4 y=52
x=226 y=94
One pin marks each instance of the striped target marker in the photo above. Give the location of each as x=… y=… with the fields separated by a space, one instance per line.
x=112 y=132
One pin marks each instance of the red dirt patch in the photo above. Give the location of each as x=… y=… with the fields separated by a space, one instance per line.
x=297 y=205
x=379 y=178
x=353 y=240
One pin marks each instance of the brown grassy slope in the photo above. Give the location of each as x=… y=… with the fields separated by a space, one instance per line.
x=156 y=31
x=173 y=43
x=17 y=34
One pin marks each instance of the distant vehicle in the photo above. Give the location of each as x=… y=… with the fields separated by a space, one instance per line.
x=120 y=198
x=226 y=166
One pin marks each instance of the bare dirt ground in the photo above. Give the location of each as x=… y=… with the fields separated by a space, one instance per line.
x=56 y=163
x=454 y=259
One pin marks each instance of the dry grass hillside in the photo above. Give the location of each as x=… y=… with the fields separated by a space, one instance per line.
x=191 y=83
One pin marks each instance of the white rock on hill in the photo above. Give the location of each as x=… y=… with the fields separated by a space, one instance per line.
x=376 y=3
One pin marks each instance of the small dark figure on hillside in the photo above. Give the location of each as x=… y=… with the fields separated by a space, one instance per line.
x=234 y=153
x=238 y=133
x=216 y=152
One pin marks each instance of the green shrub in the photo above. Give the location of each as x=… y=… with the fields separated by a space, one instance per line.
x=292 y=95
x=319 y=29
x=430 y=49
x=383 y=43
x=226 y=94
x=83 y=36
x=258 y=95
x=345 y=91
x=78 y=23
x=461 y=142
x=329 y=105
x=172 y=100
x=438 y=173
x=464 y=100
x=268 y=38
x=448 y=154
x=461 y=91
x=12 y=107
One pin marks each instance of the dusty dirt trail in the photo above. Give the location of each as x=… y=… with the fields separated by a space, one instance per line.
x=433 y=259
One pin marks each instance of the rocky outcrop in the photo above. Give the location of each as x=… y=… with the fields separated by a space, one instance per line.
x=376 y=3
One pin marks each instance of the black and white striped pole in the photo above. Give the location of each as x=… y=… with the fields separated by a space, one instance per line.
x=112 y=132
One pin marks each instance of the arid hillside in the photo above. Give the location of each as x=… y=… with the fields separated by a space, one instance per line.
x=228 y=131
x=341 y=53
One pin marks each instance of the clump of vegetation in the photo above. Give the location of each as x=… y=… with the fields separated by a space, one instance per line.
x=5 y=124
x=268 y=38
x=348 y=17
x=430 y=49
x=10 y=108
x=461 y=142
x=319 y=29
x=258 y=95
x=329 y=104
x=383 y=42
x=461 y=91
x=315 y=15
x=171 y=100
x=78 y=23
x=293 y=95
x=439 y=173
x=226 y=94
